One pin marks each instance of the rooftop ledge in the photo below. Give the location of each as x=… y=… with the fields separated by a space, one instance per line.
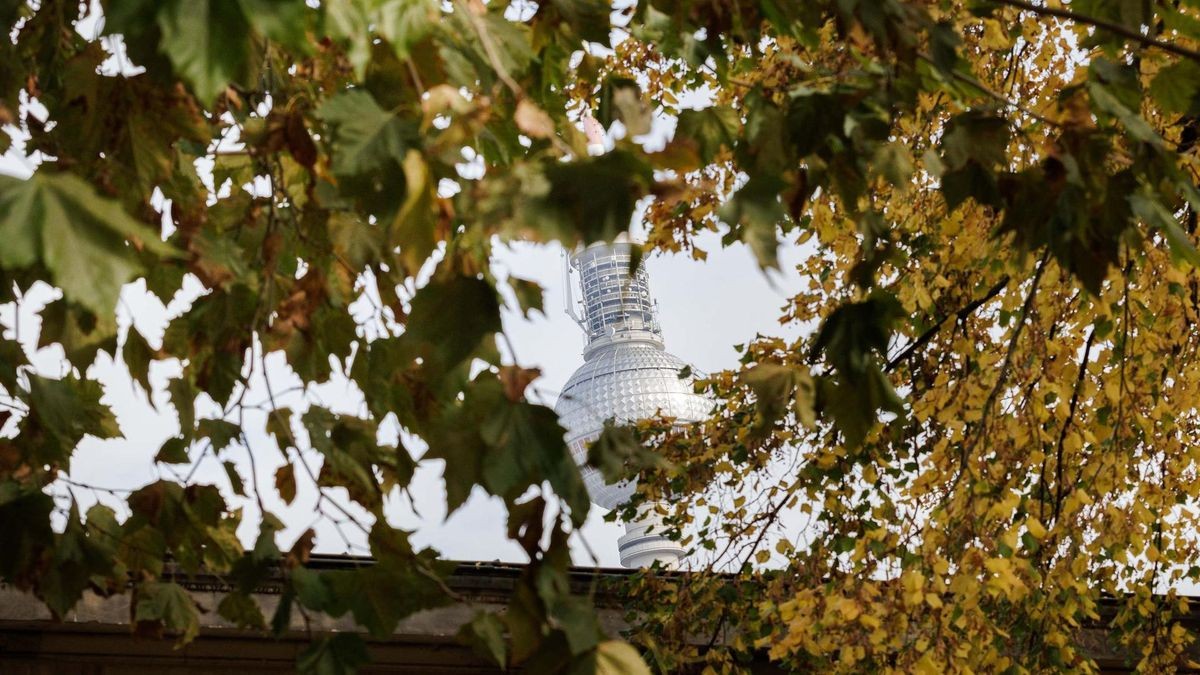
x=95 y=638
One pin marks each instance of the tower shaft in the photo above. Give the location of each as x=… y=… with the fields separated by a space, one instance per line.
x=616 y=303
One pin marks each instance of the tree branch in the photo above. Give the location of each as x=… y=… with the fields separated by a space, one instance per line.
x=961 y=314
x=1006 y=366
x=1062 y=436
x=1114 y=28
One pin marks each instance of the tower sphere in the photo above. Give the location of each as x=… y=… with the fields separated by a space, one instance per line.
x=627 y=373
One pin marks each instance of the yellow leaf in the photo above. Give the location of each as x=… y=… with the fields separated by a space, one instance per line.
x=532 y=120
x=1036 y=528
x=614 y=657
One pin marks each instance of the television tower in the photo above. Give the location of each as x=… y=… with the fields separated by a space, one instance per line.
x=627 y=375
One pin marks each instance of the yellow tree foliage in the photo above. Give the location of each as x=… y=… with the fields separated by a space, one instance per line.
x=987 y=441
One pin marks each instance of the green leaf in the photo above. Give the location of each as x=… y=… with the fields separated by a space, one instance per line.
x=58 y=220
x=142 y=548
x=282 y=617
x=183 y=397
x=24 y=527
x=343 y=443
x=854 y=404
x=369 y=146
x=1138 y=128
x=778 y=388
x=525 y=618
x=1177 y=18
x=944 y=43
x=894 y=162
x=12 y=357
x=283 y=21
x=208 y=43
x=352 y=457
x=711 y=129
x=528 y=294
x=329 y=338
x=469 y=60
x=530 y=448
x=235 y=478
x=414 y=226
x=134 y=128
x=576 y=618
x=586 y=200
x=311 y=588
x=816 y=121
x=279 y=425
x=265 y=548
x=854 y=335
x=754 y=214
x=1177 y=87
x=621 y=99
x=167 y=605
x=355 y=240
x=10 y=12
x=137 y=23
x=81 y=332
x=350 y=22
x=219 y=432
x=79 y=560
x=405 y=23
x=484 y=634
x=618 y=453
x=455 y=439
x=449 y=337
x=978 y=137
x=65 y=410
x=589 y=18
x=241 y=610
x=137 y=356
x=379 y=595
x=337 y=654
x=1156 y=215
x=174 y=450
x=853 y=339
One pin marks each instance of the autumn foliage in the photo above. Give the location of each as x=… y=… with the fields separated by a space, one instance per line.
x=986 y=433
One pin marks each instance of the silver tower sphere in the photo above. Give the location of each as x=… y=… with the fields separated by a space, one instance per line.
x=627 y=375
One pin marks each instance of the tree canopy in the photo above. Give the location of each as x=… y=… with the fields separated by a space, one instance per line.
x=987 y=429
